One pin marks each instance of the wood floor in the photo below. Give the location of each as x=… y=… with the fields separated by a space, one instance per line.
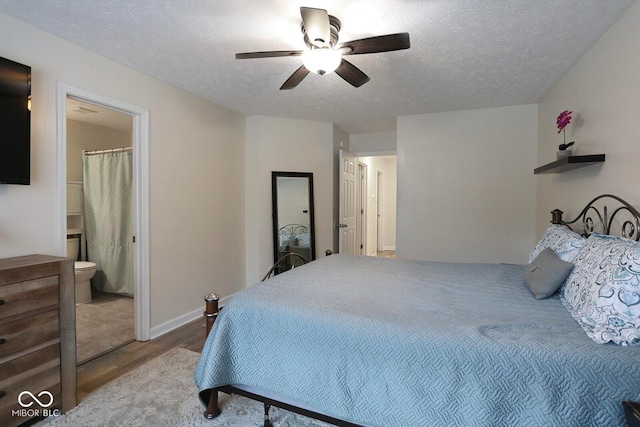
x=98 y=372
x=386 y=254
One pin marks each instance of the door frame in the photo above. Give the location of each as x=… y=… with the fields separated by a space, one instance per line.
x=362 y=196
x=379 y=210
x=140 y=136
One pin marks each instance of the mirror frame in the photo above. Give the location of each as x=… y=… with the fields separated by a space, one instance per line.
x=274 y=198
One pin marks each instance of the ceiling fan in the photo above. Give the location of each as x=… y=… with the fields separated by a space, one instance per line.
x=324 y=54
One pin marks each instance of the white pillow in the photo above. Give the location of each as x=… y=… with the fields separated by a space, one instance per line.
x=602 y=293
x=564 y=242
x=304 y=240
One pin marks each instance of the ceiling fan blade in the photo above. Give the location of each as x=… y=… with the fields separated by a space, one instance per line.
x=376 y=44
x=316 y=25
x=295 y=78
x=351 y=74
x=269 y=54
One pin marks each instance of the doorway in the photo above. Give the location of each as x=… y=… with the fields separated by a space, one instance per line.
x=99 y=224
x=377 y=204
x=139 y=129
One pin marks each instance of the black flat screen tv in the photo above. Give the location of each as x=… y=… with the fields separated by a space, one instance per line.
x=15 y=123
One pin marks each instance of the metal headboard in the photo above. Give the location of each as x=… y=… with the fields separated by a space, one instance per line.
x=292 y=230
x=626 y=217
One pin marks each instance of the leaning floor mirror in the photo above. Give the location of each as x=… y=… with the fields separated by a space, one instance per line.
x=293 y=228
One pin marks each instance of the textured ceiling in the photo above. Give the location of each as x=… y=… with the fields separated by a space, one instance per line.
x=464 y=54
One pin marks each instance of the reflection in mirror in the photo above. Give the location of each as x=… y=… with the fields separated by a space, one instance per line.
x=293 y=228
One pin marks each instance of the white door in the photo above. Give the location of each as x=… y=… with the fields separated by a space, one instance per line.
x=347 y=225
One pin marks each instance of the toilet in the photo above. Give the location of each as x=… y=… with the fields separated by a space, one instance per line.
x=84 y=271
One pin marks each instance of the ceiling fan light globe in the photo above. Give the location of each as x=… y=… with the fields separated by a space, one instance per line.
x=321 y=61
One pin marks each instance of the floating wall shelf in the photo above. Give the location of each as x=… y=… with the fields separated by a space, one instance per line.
x=569 y=163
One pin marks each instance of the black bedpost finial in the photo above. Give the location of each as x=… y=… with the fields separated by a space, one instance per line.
x=267 y=421
x=211 y=310
x=556 y=216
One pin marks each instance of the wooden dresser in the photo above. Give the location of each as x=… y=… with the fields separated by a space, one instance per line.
x=37 y=337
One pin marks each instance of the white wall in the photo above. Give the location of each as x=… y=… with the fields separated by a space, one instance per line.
x=293 y=201
x=285 y=145
x=375 y=143
x=466 y=189
x=87 y=136
x=603 y=91
x=196 y=172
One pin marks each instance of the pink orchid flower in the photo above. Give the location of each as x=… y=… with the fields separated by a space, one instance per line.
x=563 y=120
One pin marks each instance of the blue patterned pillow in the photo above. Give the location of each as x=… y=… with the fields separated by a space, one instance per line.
x=564 y=242
x=602 y=293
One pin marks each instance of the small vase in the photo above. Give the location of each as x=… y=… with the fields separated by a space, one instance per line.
x=561 y=154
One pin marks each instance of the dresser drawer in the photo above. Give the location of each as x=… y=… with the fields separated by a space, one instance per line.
x=21 y=297
x=35 y=372
x=27 y=332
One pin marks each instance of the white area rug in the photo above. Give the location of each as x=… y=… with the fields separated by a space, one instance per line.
x=162 y=392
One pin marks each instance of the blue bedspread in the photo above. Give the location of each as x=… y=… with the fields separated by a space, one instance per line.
x=402 y=343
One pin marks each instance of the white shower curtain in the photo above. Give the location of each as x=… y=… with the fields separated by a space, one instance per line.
x=108 y=211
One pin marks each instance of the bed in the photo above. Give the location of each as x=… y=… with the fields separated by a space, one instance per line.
x=294 y=247
x=355 y=340
x=293 y=238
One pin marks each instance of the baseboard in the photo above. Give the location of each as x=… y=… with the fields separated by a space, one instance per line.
x=388 y=248
x=170 y=325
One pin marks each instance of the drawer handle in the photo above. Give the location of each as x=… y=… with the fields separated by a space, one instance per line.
x=2 y=341
x=2 y=393
x=1 y=302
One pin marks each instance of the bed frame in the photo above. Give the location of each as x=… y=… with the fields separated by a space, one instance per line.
x=302 y=254
x=211 y=312
x=595 y=217
x=292 y=230
x=624 y=216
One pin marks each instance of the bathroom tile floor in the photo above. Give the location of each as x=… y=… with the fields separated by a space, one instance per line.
x=102 y=325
